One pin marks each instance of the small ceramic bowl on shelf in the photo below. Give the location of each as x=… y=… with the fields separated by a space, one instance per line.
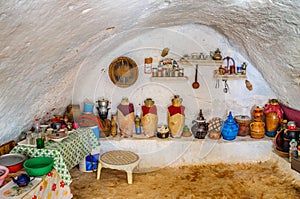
x=163 y=132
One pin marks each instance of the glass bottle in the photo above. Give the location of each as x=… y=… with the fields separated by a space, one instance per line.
x=293 y=149
x=37 y=127
x=137 y=122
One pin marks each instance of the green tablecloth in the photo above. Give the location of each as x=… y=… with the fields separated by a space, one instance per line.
x=67 y=153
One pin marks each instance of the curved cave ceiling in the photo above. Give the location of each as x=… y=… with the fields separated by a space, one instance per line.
x=44 y=43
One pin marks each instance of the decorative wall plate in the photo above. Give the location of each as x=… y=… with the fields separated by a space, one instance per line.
x=123 y=72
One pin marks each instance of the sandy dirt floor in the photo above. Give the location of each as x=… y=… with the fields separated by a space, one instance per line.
x=261 y=180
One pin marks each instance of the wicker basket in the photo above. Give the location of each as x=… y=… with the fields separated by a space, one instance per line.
x=7 y=147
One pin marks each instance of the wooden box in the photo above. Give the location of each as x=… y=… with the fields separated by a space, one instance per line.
x=295 y=164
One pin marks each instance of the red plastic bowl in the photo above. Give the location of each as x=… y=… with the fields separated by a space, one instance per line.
x=14 y=162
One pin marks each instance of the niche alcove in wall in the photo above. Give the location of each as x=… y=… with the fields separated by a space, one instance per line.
x=93 y=81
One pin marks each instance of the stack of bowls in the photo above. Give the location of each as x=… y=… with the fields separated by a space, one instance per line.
x=3 y=173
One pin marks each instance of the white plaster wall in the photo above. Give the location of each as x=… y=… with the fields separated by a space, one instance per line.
x=159 y=153
x=44 y=43
x=93 y=81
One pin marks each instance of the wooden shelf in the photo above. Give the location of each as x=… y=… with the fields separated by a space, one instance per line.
x=230 y=77
x=200 y=62
x=169 y=79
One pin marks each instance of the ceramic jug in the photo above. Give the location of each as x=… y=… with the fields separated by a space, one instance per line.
x=149 y=117
x=229 y=128
x=176 y=117
x=257 y=129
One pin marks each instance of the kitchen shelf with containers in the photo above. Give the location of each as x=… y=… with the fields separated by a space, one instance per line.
x=168 y=70
x=217 y=75
x=201 y=62
x=231 y=72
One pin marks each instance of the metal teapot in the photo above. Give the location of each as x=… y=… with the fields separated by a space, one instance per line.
x=216 y=55
x=22 y=180
x=200 y=127
x=103 y=103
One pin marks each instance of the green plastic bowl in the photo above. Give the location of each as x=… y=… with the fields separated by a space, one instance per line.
x=38 y=166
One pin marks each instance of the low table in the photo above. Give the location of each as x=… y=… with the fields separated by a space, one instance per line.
x=120 y=160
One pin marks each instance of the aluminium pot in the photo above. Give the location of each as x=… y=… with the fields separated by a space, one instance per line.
x=14 y=162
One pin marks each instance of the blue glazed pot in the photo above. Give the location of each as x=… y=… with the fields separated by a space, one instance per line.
x=229 y=128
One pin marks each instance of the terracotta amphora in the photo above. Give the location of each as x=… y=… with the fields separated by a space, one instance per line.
x=272 y=121
x=176 y=117
x=149 y=118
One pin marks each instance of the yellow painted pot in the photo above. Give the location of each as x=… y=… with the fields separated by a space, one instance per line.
x=257 y=129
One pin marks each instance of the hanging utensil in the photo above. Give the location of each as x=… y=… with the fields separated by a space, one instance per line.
x=196 y=85
x=226 y=88
x=248 y=85
x=217 y=83
x=165 y=52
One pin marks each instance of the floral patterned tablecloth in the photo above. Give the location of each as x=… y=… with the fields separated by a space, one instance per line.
x=49 y=186
x=66 y=153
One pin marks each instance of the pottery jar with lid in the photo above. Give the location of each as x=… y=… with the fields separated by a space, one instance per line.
x=176 y=117
x=149 y=117
x=243 y=121
x=273 y=116
x=230 y=128
x=200 y=127
x=258 y=114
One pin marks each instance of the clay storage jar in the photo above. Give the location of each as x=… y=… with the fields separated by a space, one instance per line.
x=125 y=116
x=243 y=121
x=176 y=118
x=272 y=123
x=149 y=118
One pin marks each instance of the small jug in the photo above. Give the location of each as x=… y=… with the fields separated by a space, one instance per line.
x=257 y=129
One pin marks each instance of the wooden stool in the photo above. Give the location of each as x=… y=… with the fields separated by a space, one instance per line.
x=120 y=160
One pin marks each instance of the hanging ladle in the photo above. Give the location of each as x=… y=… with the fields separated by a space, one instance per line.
x=196 y=84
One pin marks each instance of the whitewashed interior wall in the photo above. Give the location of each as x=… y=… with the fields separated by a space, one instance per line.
x=93 y=83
